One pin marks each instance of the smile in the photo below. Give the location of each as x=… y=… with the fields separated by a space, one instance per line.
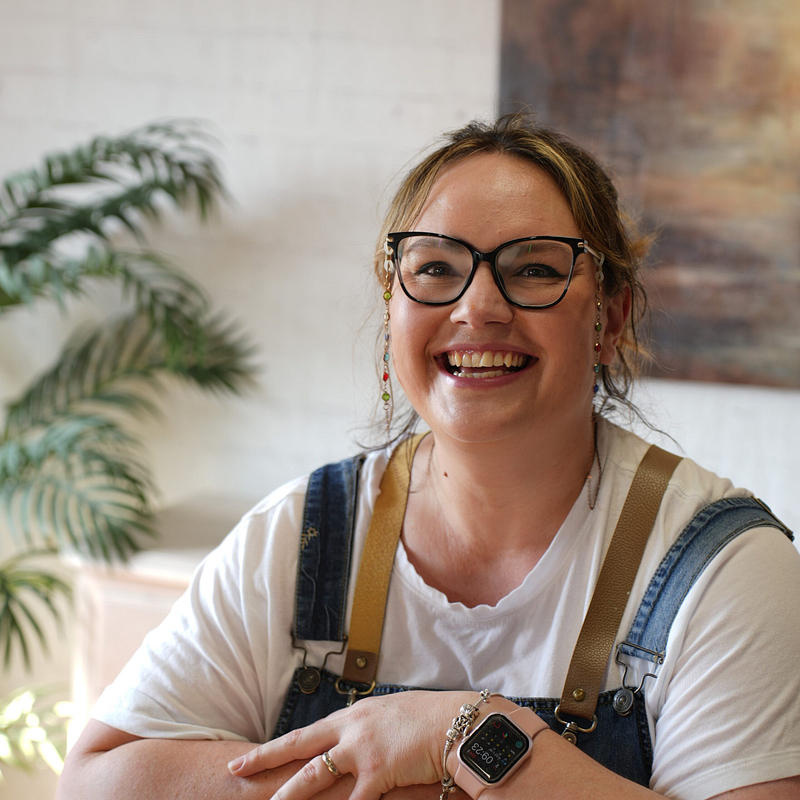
x=484 y=364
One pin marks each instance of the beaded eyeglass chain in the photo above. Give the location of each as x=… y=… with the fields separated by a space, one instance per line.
x=387 y=296
x=598 y=327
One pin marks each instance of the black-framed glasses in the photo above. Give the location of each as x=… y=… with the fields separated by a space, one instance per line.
x=534 y=272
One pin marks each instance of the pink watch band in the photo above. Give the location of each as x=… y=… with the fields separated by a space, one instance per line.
x=524 y=718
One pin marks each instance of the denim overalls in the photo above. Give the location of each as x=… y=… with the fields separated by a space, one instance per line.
x=621 y=739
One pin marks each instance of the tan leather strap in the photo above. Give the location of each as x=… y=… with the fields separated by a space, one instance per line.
x=372 y=585
x=599 y=631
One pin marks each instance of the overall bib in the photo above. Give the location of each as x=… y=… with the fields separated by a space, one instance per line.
x=621 y=739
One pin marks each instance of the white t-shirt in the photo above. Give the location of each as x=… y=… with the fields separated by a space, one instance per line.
x=724 y=710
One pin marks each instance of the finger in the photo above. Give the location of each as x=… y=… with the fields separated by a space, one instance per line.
x=299 y=745
x=312 y=778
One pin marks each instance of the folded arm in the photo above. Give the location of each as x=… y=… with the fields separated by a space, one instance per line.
x=397 y=741
x=106 y=762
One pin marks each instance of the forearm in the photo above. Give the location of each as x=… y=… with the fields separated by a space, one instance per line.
x=195 y=770
x=169 y=768
x=558 y=770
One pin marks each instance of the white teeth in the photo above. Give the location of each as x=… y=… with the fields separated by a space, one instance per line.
x=493 y=373
x=484 y=359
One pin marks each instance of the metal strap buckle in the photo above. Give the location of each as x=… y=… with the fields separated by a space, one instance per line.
x=658 y=658
x=309 y=678
x=624 y=698
x=353 y=693
x=572 y=729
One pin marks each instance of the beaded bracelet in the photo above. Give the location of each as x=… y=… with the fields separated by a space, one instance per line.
x=459 y=728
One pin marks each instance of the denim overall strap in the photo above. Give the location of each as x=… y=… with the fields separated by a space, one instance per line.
x=705 y=535
x=323 y=570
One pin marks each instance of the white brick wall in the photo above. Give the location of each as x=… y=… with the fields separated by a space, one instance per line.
x=318 y=105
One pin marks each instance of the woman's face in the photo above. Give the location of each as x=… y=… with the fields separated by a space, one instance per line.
x=486 y=200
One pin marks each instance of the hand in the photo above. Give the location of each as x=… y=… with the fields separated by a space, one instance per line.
x=385 y=742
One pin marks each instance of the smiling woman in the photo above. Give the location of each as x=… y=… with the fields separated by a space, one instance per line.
x=530 y=290
x=594 y=615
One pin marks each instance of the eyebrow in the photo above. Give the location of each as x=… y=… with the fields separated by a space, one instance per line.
x=443 y=244
x=539 y=244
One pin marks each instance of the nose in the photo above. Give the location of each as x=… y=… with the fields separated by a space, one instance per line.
x=482 y=303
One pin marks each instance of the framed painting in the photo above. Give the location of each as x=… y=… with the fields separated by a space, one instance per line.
x=695 y=107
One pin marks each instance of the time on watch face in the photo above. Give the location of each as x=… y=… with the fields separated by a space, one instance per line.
x=495 y=747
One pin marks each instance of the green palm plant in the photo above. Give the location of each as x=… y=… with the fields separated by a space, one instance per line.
x=71 y=472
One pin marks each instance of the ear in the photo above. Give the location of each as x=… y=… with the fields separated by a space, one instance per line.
x=616 y=311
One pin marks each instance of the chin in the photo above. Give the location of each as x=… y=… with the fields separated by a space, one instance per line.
x=481 y=428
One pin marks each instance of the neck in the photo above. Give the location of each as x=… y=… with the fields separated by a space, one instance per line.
x=502 y=497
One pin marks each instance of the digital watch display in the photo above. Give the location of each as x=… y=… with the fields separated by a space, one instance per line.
x=497 y=746
x=494 y=749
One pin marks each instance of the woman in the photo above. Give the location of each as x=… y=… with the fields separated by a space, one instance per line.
x=511 y=295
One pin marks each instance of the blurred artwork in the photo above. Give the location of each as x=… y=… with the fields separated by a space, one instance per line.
x=695 y=106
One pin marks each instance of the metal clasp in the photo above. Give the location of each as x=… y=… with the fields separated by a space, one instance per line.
x=658 y=658
x=310 y=677
x=572 y=729
x=623 y=699
x=353 y=694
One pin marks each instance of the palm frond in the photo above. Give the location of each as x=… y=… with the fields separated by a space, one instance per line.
x=166 y=156
x=92 y=369
x=34 y=232
x=151 y=282
x=79 y=483
x=69 y=472
x=22 y=588
x=94 y=515
x=114 y=365
x=224 y=361
x=154 y=285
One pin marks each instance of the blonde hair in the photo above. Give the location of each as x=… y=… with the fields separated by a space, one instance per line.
x=594 y=202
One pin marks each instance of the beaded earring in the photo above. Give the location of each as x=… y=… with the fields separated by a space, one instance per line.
x=598 y=325
x=387 y=296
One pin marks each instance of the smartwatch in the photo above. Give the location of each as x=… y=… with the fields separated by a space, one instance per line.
x=496 y=748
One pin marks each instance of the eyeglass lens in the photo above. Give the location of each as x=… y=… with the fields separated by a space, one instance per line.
x=533 y=273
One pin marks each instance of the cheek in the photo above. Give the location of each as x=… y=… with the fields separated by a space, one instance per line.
x=575 y=335
x=407 y=344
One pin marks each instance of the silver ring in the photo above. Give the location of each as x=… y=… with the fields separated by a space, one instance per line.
x=332 y=768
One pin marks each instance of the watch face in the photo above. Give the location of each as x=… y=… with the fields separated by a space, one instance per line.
x=495 y=747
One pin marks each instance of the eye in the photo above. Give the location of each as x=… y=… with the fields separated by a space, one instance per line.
x=435 y=269
x=546 y=260
x=538 y=270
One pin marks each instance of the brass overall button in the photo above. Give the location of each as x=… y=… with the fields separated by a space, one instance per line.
x=308 y=680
